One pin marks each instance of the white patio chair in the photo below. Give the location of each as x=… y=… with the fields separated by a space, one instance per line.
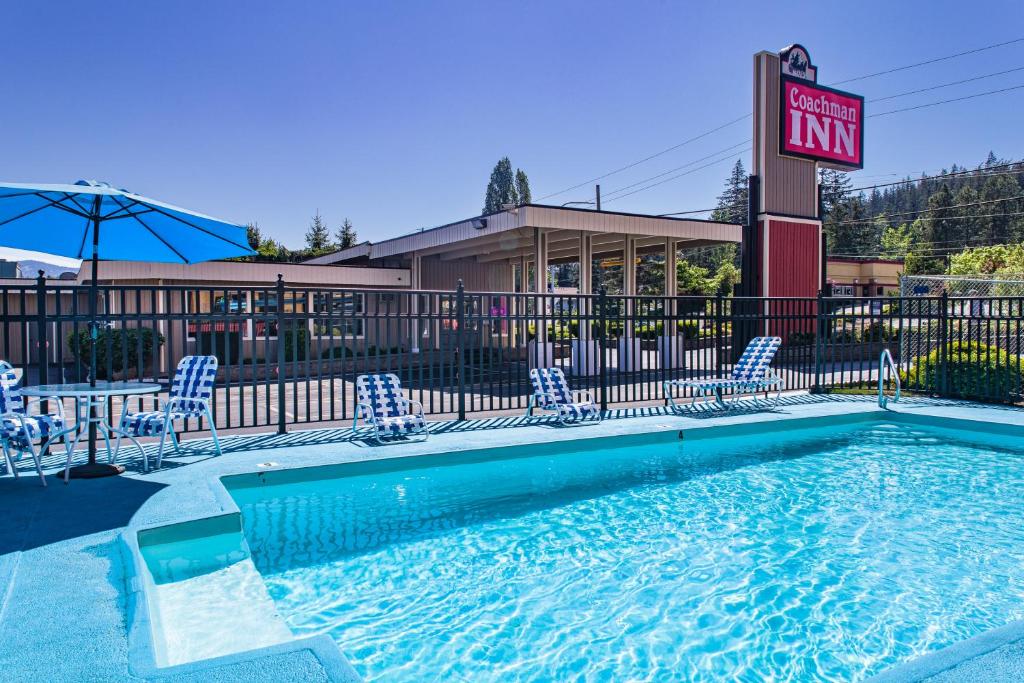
x=191 y=392
x=20 y=430
x=551 y=393
x=752 y=374
x=384 y=406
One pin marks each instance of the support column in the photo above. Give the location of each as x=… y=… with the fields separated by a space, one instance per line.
x=540 y=261
x=671 y=284
x=585 y=348
x=586 y=262
x=415 y=284
x=629 y=265
x=542 y=353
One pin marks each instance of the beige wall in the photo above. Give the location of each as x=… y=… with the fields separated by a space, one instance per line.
x=865 y=276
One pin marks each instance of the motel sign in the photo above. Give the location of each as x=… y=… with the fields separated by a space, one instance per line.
x=818 y=123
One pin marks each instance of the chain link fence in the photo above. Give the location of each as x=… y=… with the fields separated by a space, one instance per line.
x=962 y=285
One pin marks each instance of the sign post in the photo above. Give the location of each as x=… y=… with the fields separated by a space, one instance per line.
x=799 y=126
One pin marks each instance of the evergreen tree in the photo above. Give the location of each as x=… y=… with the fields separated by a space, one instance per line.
x=346 y=235
x=523 y=187
x=501 y=189
x=732 y=203
x=941 y=227
x=835 y=186
x=253 y=236
x=318 y=237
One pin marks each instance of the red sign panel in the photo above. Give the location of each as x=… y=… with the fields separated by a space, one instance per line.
x=820 y=123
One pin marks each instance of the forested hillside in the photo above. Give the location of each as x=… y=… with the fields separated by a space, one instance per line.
x=926 y=220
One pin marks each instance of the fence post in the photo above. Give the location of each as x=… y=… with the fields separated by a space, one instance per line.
x=819 y=344
x=279 y=309
x=602 y=331
x=42 y=344
x=460 y=347
x=943 y=387
x=719 y=337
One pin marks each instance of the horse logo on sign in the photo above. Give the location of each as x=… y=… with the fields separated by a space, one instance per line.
x=796 y=62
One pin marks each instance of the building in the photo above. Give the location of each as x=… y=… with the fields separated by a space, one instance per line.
x=509 y=251
x=216 y=305
x=863 y=277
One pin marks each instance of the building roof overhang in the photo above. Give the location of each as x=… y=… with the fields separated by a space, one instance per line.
x=509 y=234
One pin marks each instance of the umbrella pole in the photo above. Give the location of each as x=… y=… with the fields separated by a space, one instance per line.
x=92 y=469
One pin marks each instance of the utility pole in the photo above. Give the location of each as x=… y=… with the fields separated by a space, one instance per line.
x=597 y=197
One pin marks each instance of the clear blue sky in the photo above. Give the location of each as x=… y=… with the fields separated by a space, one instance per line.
x=394 y=113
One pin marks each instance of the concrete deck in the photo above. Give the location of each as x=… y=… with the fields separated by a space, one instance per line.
x=67 y=591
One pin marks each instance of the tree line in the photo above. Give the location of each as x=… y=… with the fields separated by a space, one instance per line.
x=319 y=241
x=929 y=220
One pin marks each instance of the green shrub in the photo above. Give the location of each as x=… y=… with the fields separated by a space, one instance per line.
x=973 y=370
x=801 y=338
x=296 y=344
x=877 y=332
x=843 y=335
x=122 y=345
x=335 y=353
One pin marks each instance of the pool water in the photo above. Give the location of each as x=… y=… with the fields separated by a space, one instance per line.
x=815 y=555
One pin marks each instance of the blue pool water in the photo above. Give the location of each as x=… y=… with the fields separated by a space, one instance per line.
x=816 y=555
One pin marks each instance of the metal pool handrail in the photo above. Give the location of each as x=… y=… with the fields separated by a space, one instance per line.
x=886 y=362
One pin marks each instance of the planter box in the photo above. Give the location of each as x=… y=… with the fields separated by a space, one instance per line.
x=586 y=356
x=858 y=351
x=672 y=351
x=540 y=354
x=630 y=354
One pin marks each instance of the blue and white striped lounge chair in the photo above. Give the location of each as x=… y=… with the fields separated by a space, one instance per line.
x=385 y=408
x=191 y=392
x=20 y=430
x=752 y=374
x=551 y=392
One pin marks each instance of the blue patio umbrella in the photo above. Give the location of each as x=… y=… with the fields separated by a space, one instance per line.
x=92 y=220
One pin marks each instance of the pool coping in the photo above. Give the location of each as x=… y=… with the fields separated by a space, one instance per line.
x=215 y=500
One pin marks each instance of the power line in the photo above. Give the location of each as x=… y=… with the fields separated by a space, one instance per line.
x=686 y=213
x=930 y=61
x=955 y=99
x=945 y=208
x=648 y=158
x=849 y=80
x=978 y=172
x=680 y=175
x=968 y=97
x=944 y=218
x=963 y=244
x=679 y=168
x=947 y=85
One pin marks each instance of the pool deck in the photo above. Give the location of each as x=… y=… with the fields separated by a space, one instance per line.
x=68 y=594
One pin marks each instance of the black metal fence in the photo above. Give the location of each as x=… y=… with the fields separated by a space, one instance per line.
x=290 y=356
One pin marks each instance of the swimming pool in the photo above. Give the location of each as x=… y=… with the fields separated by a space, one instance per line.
x=813 y=554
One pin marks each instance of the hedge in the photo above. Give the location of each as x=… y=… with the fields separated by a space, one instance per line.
x=122 y=344
x=973 y=370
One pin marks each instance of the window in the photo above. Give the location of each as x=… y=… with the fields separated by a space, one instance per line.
x=264 y=306
x=219 y=312
x=345 y=314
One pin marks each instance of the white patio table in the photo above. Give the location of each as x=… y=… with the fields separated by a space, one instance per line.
x=92 y=410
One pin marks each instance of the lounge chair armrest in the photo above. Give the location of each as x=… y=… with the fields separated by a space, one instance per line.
x=174 y=401
x=54 y=399
x=364 y=408
x=413 y=403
